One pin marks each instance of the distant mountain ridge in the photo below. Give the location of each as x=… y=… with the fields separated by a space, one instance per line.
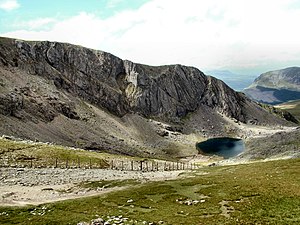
x=275 y=87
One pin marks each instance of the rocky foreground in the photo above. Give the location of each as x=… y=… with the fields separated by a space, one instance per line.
x=21 y=186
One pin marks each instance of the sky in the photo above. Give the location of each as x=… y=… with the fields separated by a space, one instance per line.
x=243 y=36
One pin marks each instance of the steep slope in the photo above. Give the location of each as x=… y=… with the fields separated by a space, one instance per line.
x=278 y=145
x=276 y=86
x=81 y=97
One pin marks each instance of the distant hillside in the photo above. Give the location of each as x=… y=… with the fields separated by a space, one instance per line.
x=292 y=107
x=275 y=87
x=235 y=81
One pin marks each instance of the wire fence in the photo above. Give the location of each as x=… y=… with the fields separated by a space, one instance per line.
x=150 y=165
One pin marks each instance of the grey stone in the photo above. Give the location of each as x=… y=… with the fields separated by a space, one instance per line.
x=167 y=92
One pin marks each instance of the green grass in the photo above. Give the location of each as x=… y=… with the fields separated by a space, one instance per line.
x=292 y=107
x=258 y=193
x=42 y=155
x=17 y=153
x=31 y=154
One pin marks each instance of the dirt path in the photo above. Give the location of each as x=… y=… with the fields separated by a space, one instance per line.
x=23 y=186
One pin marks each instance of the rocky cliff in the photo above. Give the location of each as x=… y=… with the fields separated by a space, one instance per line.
x=88 y=98
x=276 y=86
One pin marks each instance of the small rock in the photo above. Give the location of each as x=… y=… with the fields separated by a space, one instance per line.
x=98 y=221
x=7 y=194
x=47 y=189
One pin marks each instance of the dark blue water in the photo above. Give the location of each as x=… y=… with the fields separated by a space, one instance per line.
x=225 y=147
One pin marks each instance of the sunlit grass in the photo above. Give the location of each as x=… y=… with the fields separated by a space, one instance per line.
x=292 y=107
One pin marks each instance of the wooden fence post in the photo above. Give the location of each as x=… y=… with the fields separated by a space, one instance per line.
x=141 y=166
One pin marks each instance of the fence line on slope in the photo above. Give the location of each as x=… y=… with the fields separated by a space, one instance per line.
x=114 y=164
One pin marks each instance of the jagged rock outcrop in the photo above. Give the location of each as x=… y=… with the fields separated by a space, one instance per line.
x=83 y=97
x=224 y=99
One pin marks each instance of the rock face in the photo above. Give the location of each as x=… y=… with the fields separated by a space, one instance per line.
x=276 y=86
x=173 y=91
x=122 y=86
x=78 y=96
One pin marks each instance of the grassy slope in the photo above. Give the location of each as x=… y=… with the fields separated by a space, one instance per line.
x=258 y=193
x=44 y=155
x=293 y=107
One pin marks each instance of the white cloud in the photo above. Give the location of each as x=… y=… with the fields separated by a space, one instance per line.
x=207 y=34
x=83 y=29
x=9 y=5
x=113 y=3
x=39 y=23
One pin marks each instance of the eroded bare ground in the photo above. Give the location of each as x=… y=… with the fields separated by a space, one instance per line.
x=22 y=186
x=225 y=208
